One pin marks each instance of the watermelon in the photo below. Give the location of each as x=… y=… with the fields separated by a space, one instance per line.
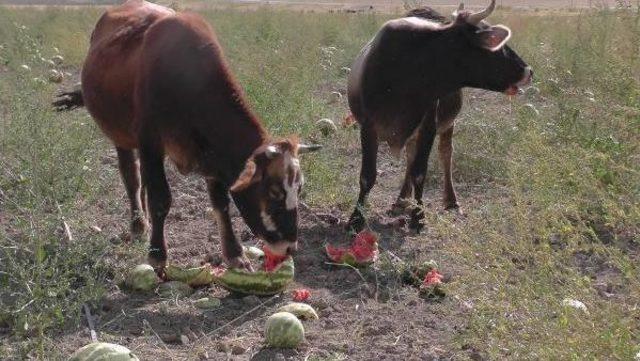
x=284 y=330
x=363 y=250
x=196 y=276
x=271 y=260
x=414 y=274
x=262 y=283
x=235 y=279
x=301 y=310
x=102 y=351
x=141 y=278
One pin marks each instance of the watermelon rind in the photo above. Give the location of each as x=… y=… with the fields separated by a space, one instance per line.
x=103 y=351
x=301 y=310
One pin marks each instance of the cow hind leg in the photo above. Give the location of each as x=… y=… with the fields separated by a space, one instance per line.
x=445 y=150
x=130 y=172
x=448 y=108
x=368 y=173
x=417 y=170
x=159 y=202
x=403 y=201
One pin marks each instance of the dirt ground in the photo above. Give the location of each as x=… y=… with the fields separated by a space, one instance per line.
x=364 y=314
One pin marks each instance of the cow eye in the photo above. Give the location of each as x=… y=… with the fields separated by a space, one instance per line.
x=276 y=193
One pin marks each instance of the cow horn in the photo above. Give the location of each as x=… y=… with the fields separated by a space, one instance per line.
x=304 y=148
x=457 y=11
x=476 y=18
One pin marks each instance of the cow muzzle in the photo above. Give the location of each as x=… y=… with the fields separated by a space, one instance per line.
x=283 y=248
x=527 y=77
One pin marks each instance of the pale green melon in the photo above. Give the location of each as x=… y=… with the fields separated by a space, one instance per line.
x=206 y=303
x=301 y=310
x=284 y=330
x=102 y=351
x=142 y=278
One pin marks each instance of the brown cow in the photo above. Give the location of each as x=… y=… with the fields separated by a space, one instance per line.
x=156 y=81
x=405 y=88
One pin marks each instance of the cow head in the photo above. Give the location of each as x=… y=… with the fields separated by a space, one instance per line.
x=266 y=193
x=486 y=61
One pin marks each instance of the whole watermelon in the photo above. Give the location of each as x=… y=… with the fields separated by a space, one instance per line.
x=284 y=330
x=142 y=278
x=102 y=351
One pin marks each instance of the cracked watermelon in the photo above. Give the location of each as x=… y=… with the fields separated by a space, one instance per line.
x=363 y=250
x=284 y=330
x=238 y=280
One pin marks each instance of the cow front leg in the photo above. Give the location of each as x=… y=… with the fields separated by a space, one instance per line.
x=231 y=248
x=130 y=173
x=417 y=170
x=368 y=173
x=445 y=150
x=159 y=202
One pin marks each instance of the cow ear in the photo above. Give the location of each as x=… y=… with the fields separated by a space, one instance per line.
x=249 y=176
x=494 y=37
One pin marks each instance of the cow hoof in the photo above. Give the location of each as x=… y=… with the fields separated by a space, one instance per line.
x=158 y=266
x=455 y=209
x=416 y=221
x=400 y=207
x=158 y=261
x=356 y=222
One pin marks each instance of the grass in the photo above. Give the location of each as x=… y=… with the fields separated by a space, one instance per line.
x=561 y=188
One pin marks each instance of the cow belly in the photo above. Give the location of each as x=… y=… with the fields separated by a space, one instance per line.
x=107 y=92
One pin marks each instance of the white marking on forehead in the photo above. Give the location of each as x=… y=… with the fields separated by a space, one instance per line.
x=267 y=221
x=416 y=23
x=291 y=191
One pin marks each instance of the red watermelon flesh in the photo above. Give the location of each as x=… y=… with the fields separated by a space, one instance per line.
x=363 y=250
x=272 y=261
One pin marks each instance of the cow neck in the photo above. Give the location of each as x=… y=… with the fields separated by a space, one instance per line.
x=251 y=135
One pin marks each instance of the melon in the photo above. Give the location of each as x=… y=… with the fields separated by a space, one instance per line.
x=141 y=278
x=238 y=280
x=284 y=330
x=363 y=250
x=301 y=310
x=196 y=276
x=55 y=76
x=259 y=282
x=414 y=273
x=326 y=126
x=206 y=303
x=102 y=351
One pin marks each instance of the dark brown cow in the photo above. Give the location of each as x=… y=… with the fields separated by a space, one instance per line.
x=157 y=82
x=405 y=87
